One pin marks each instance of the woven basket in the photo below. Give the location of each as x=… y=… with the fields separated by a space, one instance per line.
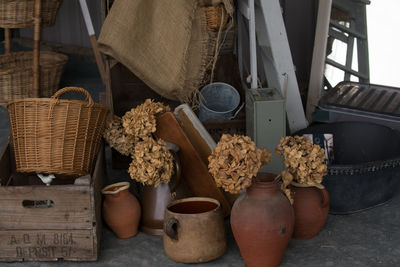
x=214 y=15
x=16 y=74
x=20 y=13
x=59 y=136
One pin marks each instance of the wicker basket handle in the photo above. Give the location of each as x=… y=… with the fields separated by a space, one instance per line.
x=88 y=98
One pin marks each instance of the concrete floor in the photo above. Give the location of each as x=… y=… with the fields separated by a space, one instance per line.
x=368 y=238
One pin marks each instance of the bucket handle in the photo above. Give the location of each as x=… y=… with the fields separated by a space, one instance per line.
x=237 y=111
x=171 y=228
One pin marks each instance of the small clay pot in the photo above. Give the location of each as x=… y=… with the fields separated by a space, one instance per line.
x=311 y=207
x=194 y=230
x=121 y=210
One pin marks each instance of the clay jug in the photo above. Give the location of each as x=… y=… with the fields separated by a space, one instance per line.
x=262 y=221
x=154 y=200
x=121 y=210
x=194 y=230
x=311 y=206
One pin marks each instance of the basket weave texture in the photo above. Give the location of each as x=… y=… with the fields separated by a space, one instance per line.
x=20 y=13
x=214 y=15
x=16 y=74
x=59 y=136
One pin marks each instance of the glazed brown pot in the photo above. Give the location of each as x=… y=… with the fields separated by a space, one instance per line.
x=154 y=201
x=121 y=210
x=194 y=230
x=311 y=207
x=262 y=222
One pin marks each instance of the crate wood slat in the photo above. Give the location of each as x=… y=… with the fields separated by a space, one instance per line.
x=71 y=208
x=46 y=245
x=99 y=178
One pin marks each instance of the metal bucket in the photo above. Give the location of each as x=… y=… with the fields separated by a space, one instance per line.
x=366 y=169
x=219 y=101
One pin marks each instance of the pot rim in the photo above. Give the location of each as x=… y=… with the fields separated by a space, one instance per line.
x=193 y=199
x=263 y=181
x=121 y=186
x=319 y=186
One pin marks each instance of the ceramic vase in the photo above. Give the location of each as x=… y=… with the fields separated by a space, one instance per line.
x=311 y=207
x=121 y=210
x=262 y=222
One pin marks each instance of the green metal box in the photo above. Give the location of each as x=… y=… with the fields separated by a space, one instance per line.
x=266 y=122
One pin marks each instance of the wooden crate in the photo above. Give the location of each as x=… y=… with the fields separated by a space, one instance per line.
x=48 y=223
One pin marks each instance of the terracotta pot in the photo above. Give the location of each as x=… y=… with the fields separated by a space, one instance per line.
x=194 y=230
x=121 y=210
x=154 y=200
x=262 y=222
x=311 y=206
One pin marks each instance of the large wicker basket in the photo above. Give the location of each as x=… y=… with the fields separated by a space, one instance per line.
x=20 y=13
x=59 y=136
x=16 y=74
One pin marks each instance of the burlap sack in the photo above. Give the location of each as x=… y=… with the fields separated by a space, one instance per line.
x=165 y=43
x=200 y=54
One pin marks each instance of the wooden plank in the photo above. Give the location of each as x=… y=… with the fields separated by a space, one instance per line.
x=359 y=74
x=350 y=31
x=46 y=245
x=272 y=38
x=362 y=44
x=319 y=55
x=195 y=138
x=194 y=171
x=71 y=208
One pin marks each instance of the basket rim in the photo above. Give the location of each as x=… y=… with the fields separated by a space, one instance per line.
x=54 y=58
x=48 y=14
x=45 y=53
x=58 y=101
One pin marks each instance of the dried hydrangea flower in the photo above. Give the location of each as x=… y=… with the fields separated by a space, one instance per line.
x=141 y=121
x=117 y=138
x=304 y=162
x=152 y=162
x=154 y=108
x=235 y=161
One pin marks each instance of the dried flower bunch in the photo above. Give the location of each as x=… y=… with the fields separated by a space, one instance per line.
x=235 y=161
x=304 y=162
x=152 y=162
x=116 y=137
x=141 y=121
